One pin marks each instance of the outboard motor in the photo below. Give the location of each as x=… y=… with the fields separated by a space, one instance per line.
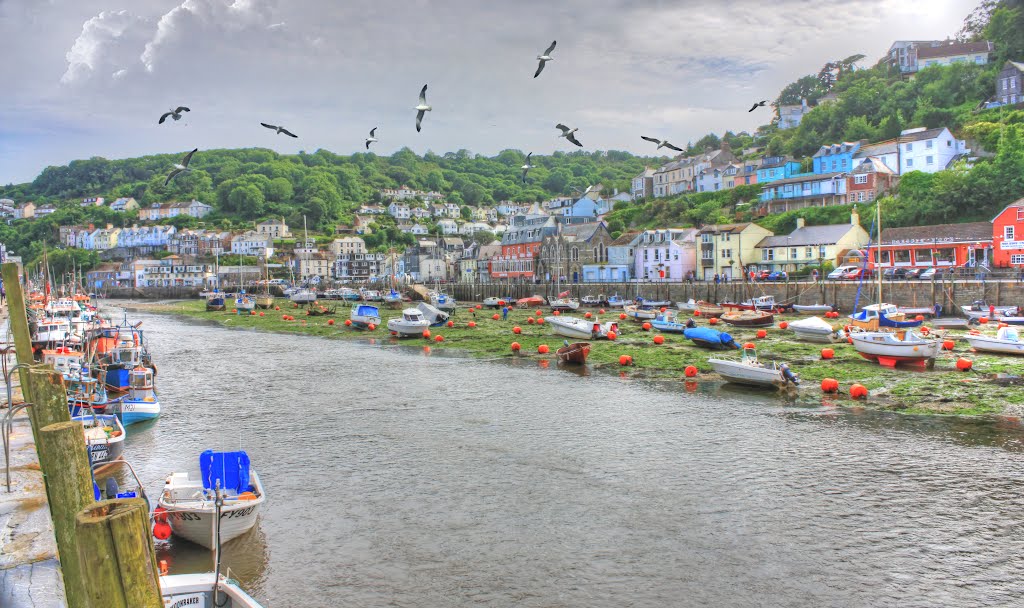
x=690 y=324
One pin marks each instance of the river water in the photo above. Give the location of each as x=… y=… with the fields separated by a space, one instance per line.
x=401 y=479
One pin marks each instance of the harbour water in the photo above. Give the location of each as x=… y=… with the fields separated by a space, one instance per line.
x=397 y=478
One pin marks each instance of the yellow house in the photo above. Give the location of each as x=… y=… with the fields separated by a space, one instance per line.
x=727 y=249
x=106 y=238
x=811 y=245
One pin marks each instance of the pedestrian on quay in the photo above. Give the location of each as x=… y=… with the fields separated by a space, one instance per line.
x=504 y=313
x=716 y=278
x=991 y=311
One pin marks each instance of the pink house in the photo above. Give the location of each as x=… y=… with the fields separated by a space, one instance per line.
x=666 y=255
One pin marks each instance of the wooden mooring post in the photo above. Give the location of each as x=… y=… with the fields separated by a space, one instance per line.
x=19 y=323
x=115 y=546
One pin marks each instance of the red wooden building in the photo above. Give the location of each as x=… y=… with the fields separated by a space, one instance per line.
x=1008 y=234
x=941 y=245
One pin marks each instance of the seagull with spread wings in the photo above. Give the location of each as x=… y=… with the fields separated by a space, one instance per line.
x=422 y=107
x=175 y=114
x=662 y=143
x=180 y=168
x=526 y=168
x=371 y=138
x=546 y=57
x=279 y=130
x=757 y=105
x=569 y=134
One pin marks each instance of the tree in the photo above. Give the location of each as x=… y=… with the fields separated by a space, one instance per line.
x=483 y=237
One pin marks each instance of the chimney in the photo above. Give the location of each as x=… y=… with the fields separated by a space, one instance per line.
x=800 y=223
x=110 y=226
x=854 y=217
x=725 y=146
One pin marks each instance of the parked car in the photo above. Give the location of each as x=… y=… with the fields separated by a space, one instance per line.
x=763 y=275
x=858 y=273
x=913 y=273
x=778 y=275
x=935 y=273
x=838 y=273
x=891 y=274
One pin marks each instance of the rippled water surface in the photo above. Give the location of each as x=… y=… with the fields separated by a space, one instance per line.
x=399 y=479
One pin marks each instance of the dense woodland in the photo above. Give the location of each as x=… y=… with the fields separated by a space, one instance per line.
x=873 y=103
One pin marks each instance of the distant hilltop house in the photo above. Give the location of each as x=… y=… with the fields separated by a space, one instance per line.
x=406 y=193
x=909 y=56
x=159 y=211
x=791 y=115
x=274 y=229
x=124 y=205
x=46 y=209
x=6 y=207
x=1010 y=84
x=93 y=201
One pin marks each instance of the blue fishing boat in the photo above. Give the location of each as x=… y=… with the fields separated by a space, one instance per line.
x=86 y=394
x=104 y=437
x=364 y=315
x=215 y=301
x=667 y=322
x=141 y=402
x=705 y=337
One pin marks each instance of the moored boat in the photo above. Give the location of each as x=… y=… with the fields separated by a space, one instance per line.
x=979 y=308
x=708 y=338
x=566 y=303
x=758 y=303
x=494 y=302
x=190 y=499
x=877 y=316
x=750 y=371
x=813 y=309
x=215 y=302
x=245 y=303
x=709 y=310
x=203 y=589
x=530 y=302
x=264 y=301
x=1007 y=341
x=364 y=315
x=668 y=322
x=687 y=306
x=573 y=353
x=141 y=402
x=591 y=300
x=432 y=314
x=443 y=301
x=303 y=296
x=814 y=329
x=890 y=348
x=393 y=299
x=410 y=324
x=748 y=318
x=616 y=301
x=639 y=314
x=104 y=438
x=581 y=329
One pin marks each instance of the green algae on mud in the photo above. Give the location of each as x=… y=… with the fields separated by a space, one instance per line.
x=942 y=390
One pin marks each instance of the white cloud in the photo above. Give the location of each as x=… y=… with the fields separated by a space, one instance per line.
x=105 y=46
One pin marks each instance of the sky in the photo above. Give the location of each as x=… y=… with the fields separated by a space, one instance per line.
x=84 y=78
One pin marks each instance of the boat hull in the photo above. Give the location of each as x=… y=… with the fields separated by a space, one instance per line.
x=989 y=344
x=812 y=309
x=748 y=318
x=822 y=336
x=889 y=352
x=739 y=373
x=195 y=522
x=264 y=302
x=132 y=411
x=407 y=330
x=574 y=353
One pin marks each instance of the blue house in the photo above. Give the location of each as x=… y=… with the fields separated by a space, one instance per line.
x=776 y=167
x=807 y=190
x=837 y=157
x=587 y=207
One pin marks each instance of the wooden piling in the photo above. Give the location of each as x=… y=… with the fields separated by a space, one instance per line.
x=49 y=398
x=116 y=547
x=64 y=462
x=19 y=322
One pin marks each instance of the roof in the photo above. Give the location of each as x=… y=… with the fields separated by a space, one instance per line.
x=808 y=235
x=921 y=135
x=927 y=51
x=581 y=232
x=730 y=228
x=970 y=231
x=625 y=238
x=647 y=172
x=883 y=147
x=1016 y=64
x=1017 y=203
x=781 y=163
x=846 y=146
x=815 y=177
x=873 y=164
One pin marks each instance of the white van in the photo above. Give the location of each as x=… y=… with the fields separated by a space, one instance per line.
x=838 y=273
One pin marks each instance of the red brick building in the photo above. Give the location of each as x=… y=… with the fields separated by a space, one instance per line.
x=1008 y=236
x=870 y=180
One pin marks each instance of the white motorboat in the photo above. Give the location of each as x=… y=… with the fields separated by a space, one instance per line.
x=564 y=304
x=303 y=295
x=582 y=329
x=443 y=301
x=812 y=309
x=55 y=330
x=591 y=300
x=370 y=295
x=616 y=301
x=814 y=329
x=1007 y=341
x=410 y=324
x=203 y=589
x=892 y=347
x=653 y=303
x=979 y=309
x=687 y=306
x=639 y=314
x=190 y=499
x=494 y=302
x=432 y=314
x=364 y=315
x=749 y=370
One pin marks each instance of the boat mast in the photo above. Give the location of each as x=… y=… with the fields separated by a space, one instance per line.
x=878 y=248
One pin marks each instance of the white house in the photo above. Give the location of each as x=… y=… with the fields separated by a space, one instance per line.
x=252 y=243
x=471 y=228
x=274 y=228
x=448 y=226
x=92 y=201
x=666 y=255
x=929 y=150
x=349 y=245
x=399 y=211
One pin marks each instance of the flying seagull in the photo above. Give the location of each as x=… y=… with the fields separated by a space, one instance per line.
x=181 y=168
x=662 y=143
x=371 y=138
x=568 y=134
x=526 y=168
x=757 y=105
x=423 y=107
x=279 y=130
x=546 y=57
x=175 y=114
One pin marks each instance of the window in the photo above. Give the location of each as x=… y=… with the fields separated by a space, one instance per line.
x=949 y=143
x=945 y=255
x=645 y=255
x=707 y=254
x=705 y=238
x=728 y=236
x=928 y=144
x=822 y=251
x=833 y=165
x=809 y=252
x=929 y=160
x=1017 y=258
x=842 y=163
x=979 y=59
x=860 y=179
x=910 y=162
x=910 y=147
x=793 y=253
x=1008 y=233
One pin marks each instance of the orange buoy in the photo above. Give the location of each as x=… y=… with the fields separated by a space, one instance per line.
x=983 y=320
x=762 y=333
x=919 y=318
x=451 y=324
x=925 y=330
x=426 y=333
x=783 y=325
x=696 y=313
x=471 y=324
x=622 y=316
x=538 y=313
x=827 y=353
x=663 y=309
x=858 y=391
x=371 y=327
x=659 y=339
x=646 y=326
x=495 y=316
x=612 y=336
x=543 y=349
x=529 y=320
x=540 y=320
x=515 y=347
x=261 y=314
x=690 y=371
x=517 y=329
x=348 y=322
x=330 y=321
x=964 y=364
x=162 y=530
x=849 y=340
x=479 y=306
x=252 y=313
x=712 y=320
x=277 y=308
x=749 y=345
x=625 y=360
x=830 y=385
x=948 y=345
x=438 y=338
x=234 y=310
x=600 y=312
x=556 y=312
x=1002 y=325
x=587 y=315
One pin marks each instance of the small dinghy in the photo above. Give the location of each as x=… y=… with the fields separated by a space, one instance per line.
x=494 y=302
x=410 y=325
x=225 y=484
x=1007 y=341
x=393 y=298
x=443 y=301
x=431 y=313
x=877 y=316
x=245 y=303
x=203 y=589
x=215 y=302
x=364 y=315
x=890 y=348
x=709 y=310
x=104 y=437
x=813 y=309
x=750 y=371
x=653 y=303
x=979 y=309
x=711 y=339
x=687 y=306
x=814 y=329
x=667 y=322
x=639 y=314
x=564 y=304
x=616 y=301
x=748 y=318
x=573 y=353
x=530 y=302
x=580 y=329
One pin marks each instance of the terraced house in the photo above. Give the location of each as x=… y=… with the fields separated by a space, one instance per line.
x=727 y=249
x=565 y=254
